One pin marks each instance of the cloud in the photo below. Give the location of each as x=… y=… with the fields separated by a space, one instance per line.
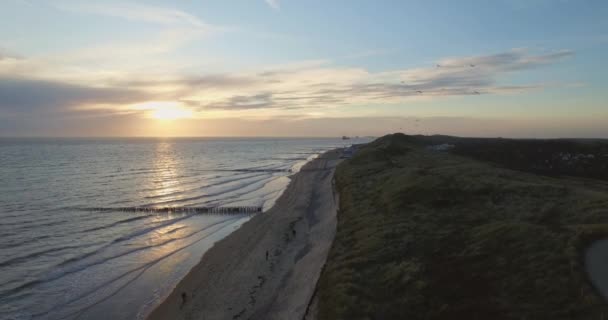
x=107 y=63
x=516 y=59
x=314 y=87
x=126 y=55
x=274 y=4
x=21 y=96
x=324 y=86
x=202 y=82
x=258 y=101
x=136 y=12
x=7 y=54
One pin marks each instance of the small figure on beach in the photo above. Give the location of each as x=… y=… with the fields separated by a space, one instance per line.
x=184 y=299
x=266 y=255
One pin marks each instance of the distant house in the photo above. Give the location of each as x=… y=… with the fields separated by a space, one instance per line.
x=348 y=152
x=441 y=147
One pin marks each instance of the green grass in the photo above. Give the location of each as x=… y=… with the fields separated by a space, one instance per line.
x=428 y=235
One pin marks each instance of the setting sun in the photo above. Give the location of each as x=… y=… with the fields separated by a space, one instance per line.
x=165 y=110
x=171 y=113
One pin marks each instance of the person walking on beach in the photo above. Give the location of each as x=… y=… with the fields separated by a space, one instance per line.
x=184 y=299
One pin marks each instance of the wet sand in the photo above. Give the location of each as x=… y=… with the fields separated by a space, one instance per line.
x=268 y=268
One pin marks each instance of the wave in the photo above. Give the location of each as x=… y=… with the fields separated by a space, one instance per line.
x=76 y=269
x=22 y=227
x=139 y=271
x=219 y=183
x=192 y=179
x=215 y=194
x=115 y=224
x=35 y=254
x=263 y=198
x=13 y=243
x=174 y=230
x=125 y=238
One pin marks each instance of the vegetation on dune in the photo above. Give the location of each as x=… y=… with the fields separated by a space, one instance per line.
x=432 y=235
x=554 y=157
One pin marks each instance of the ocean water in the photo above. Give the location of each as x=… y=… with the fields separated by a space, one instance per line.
x=62 y=259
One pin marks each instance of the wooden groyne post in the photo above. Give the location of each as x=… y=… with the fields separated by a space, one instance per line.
x=197 y=210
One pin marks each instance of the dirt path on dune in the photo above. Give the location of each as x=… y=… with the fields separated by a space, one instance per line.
x=268 y=269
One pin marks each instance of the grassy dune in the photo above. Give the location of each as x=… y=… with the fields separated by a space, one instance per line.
x=435 y=235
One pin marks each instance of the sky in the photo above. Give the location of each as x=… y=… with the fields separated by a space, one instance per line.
x=508 y=68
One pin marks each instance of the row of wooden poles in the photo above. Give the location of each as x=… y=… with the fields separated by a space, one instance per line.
x=214 y=210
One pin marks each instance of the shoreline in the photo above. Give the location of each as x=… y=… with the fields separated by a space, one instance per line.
x=269 y=267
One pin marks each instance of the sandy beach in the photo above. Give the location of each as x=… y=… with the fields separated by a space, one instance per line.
x=267 y=269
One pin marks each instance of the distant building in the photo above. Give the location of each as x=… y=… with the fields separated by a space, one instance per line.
x=348 y=152
x=441 y=147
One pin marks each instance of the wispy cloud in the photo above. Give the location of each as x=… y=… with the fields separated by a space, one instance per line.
x=7 y=54
x=300 y=88
x=106 y=62
x=274 y=4
x=325 y=86
x=136 y=12
x=515 y=59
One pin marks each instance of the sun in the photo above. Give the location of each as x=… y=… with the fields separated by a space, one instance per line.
x=165 y=110
x=163 y=113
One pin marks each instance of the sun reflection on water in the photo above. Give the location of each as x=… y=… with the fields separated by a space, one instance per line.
x=167 y=171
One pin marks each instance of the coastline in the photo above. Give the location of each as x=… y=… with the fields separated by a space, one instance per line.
x=269 y=267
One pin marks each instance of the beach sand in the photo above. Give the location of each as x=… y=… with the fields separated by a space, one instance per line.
x=268 y=268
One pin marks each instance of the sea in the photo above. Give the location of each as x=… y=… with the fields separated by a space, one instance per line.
x=79 y=238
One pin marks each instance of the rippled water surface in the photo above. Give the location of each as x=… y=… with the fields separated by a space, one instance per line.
x=61 y=260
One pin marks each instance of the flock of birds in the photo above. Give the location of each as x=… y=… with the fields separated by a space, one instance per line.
x=475 y=92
